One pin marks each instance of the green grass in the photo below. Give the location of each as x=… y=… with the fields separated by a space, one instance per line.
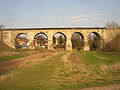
x=91 y=72
x=33 y=78
x=6 y=58
x=89 y=58
x=52 y=74
x=99 y=58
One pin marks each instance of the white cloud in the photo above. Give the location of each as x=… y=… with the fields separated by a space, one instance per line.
x=77 y=16
x=99 y=14
x=82 y=18
x=96 y=15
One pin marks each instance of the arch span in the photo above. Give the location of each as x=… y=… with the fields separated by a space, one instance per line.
x=94 y=40
x=22 y=41
x=77 y=41
x=59 y=40
x=41 y=40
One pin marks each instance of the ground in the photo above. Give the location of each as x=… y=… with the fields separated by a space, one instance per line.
x=35 y=57
x=110 y=87
x=62 y=70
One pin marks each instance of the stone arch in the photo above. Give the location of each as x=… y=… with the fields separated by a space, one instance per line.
x=41 y=40
x=77 y=40
x=94 y=41
x=59 y=40
x=22 y=41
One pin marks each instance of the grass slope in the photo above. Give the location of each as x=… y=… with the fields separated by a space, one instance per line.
x=100 y=57
x=33 y=77
x=82 y=69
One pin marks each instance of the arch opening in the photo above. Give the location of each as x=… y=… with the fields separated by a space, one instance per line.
x=21 y=41
x=94 y=40
x=59 y=41
x=77 y=40
x=41 y=41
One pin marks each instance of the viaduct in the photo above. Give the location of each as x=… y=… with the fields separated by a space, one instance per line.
x=9 y=36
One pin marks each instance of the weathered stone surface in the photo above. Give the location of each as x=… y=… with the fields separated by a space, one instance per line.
x=107 y=35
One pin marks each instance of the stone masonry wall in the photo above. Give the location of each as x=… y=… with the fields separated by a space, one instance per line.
x=10 y=36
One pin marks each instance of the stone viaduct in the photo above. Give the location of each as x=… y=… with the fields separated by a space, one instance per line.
x=9 y=36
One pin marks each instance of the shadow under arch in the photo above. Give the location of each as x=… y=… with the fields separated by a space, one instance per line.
x=59 y=41
x=22 y=41
x=77 y=40
x=41 y=40
x=94 y=41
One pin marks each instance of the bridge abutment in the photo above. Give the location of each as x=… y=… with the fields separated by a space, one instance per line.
x=31 y=44
x=86 y=44
x=68 y=45
x=50 y=45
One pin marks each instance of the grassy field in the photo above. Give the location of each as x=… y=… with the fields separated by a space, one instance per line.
x=100 y=57
x=11 y=54
x=71 y=70
x=6 y=58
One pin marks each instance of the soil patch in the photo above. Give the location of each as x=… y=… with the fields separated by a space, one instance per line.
x=6 y=65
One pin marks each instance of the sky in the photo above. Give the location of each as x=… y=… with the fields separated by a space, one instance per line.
x=58 y=13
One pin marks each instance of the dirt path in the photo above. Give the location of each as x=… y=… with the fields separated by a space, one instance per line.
x=16 y=62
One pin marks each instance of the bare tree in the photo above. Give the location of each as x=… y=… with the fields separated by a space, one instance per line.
x=114 y=32
x=1 y=33
x=54 y=40
x=2 y=26
x=1 y=38
x=112 y=25
x=61 y=39
x=94 y=41
x=77 y=41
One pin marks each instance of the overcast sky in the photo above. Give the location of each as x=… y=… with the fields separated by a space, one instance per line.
x=58 y=13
